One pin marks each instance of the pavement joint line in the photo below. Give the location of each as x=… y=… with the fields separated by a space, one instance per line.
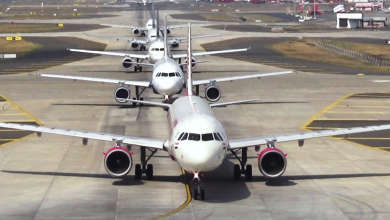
x=333 y=105
x=188 y=201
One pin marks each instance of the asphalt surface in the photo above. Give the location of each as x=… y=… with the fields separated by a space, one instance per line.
x=66 y=27
x=52 y=53
x=260 y=53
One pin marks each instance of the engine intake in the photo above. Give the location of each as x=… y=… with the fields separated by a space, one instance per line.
x=122 y=93
x=127 y=63
x=135 y=31
x=134 y=45
x=118 y=161
x=212 y=93
x=174 y=44
x=193 y=64
x=272 y=162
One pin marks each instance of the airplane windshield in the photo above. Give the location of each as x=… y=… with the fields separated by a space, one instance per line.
x=194 y=137
x=177 y=74
x=207 y=137
x=184 y=137
x=220 y=136
x=161 y=49
x=217 y=137
x=164 y=74
x=171 y=74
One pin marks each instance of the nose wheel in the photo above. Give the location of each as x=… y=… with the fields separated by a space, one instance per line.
x=198 y=191
x=142 y=47
x=243 y=168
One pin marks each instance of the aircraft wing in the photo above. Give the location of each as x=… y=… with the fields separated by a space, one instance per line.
x=130 y=40
x=223 y=104
x=144 y=142
x=177 y=56
x=251 y=142
x=124 y=26
x=231 y=78
x=101 y=80
x=139 y=56
x=180 y=39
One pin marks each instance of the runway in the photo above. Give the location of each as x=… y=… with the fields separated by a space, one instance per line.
x=56 y=177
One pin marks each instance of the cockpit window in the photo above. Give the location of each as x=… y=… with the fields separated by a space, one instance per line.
x=158 y=74
x=153 y=35
x=177 y=74
x=171 y=74
x=184 y=137
x=217 y=137
x=164 y=74
x=194 y=137
x=207 y=137
x=161 y=49
x=220 y=136
x=181 y=135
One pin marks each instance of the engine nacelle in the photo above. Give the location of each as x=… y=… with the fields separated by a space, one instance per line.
x=168 y=31
x=118 y=161
x=127 y=63
x=122 y=92
x=136 y=31
x=174 y=44
x=134 y=45
x=212 y=93
x=193 y=64
x=272 y=162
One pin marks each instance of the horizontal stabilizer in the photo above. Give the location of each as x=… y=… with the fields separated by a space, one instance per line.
x=203 y=61
x=158 y=104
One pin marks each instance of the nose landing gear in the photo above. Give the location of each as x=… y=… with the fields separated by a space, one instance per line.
x=198 y=190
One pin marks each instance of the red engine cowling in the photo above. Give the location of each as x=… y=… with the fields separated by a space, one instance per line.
x=272 y=162
x=118 y=161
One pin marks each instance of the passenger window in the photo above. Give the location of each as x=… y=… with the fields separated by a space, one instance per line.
x=164 y=74
x=179 y=138
x=207 y=137
x=184 y=137
x=171 y=74
x=194 y=137
x=220 y=136
x=216 y=137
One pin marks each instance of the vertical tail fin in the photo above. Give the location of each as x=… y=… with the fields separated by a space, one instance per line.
x=157 y=25
x=189 y=63
x=165 y=38
x=152 y=13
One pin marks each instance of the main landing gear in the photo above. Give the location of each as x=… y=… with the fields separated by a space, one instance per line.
x=144 y=167
x=142 y=47
x=198 y=191
x=137 y=95
x=243 y=168
x=138 y=67
x=143 y=34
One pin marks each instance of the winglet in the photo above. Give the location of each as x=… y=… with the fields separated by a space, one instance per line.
x=189 y=63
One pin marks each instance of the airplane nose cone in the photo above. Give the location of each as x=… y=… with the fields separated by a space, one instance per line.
x=168 y=86
x=203 y=157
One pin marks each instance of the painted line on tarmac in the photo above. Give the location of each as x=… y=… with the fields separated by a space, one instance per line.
x=365 y=100
x=363 y=106
x=15 y=106
x=188 y=201
x=346 y=119
x=334 y=105
x=332 y=112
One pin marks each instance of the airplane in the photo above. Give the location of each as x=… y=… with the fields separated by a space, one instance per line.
x=197 y=142
x=156 y=52
x=153 y=34
x=146 y=2
x=150 y=24
x=167 y=79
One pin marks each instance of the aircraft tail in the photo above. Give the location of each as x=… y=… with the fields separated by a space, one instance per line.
x=157 y=24
x=152 y=12
x=165 y=38
x=189 y=63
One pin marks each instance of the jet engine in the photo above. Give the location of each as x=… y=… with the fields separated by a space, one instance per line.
x=272 y=162
x=122 y=92
x=118 y=161
x=135 y=31
x=127 y=63
x=134 y=45
x=174 y=44
x=212 y=93
x=168 y=31
x=193 y=64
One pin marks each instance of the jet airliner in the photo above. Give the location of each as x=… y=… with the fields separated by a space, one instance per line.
x=198 y=142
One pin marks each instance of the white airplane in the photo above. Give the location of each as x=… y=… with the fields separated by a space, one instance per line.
x=150 y=24
x=198 y=141
x=167 y=79
x=153 y=34
x=156 y=52
x=146 y=2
